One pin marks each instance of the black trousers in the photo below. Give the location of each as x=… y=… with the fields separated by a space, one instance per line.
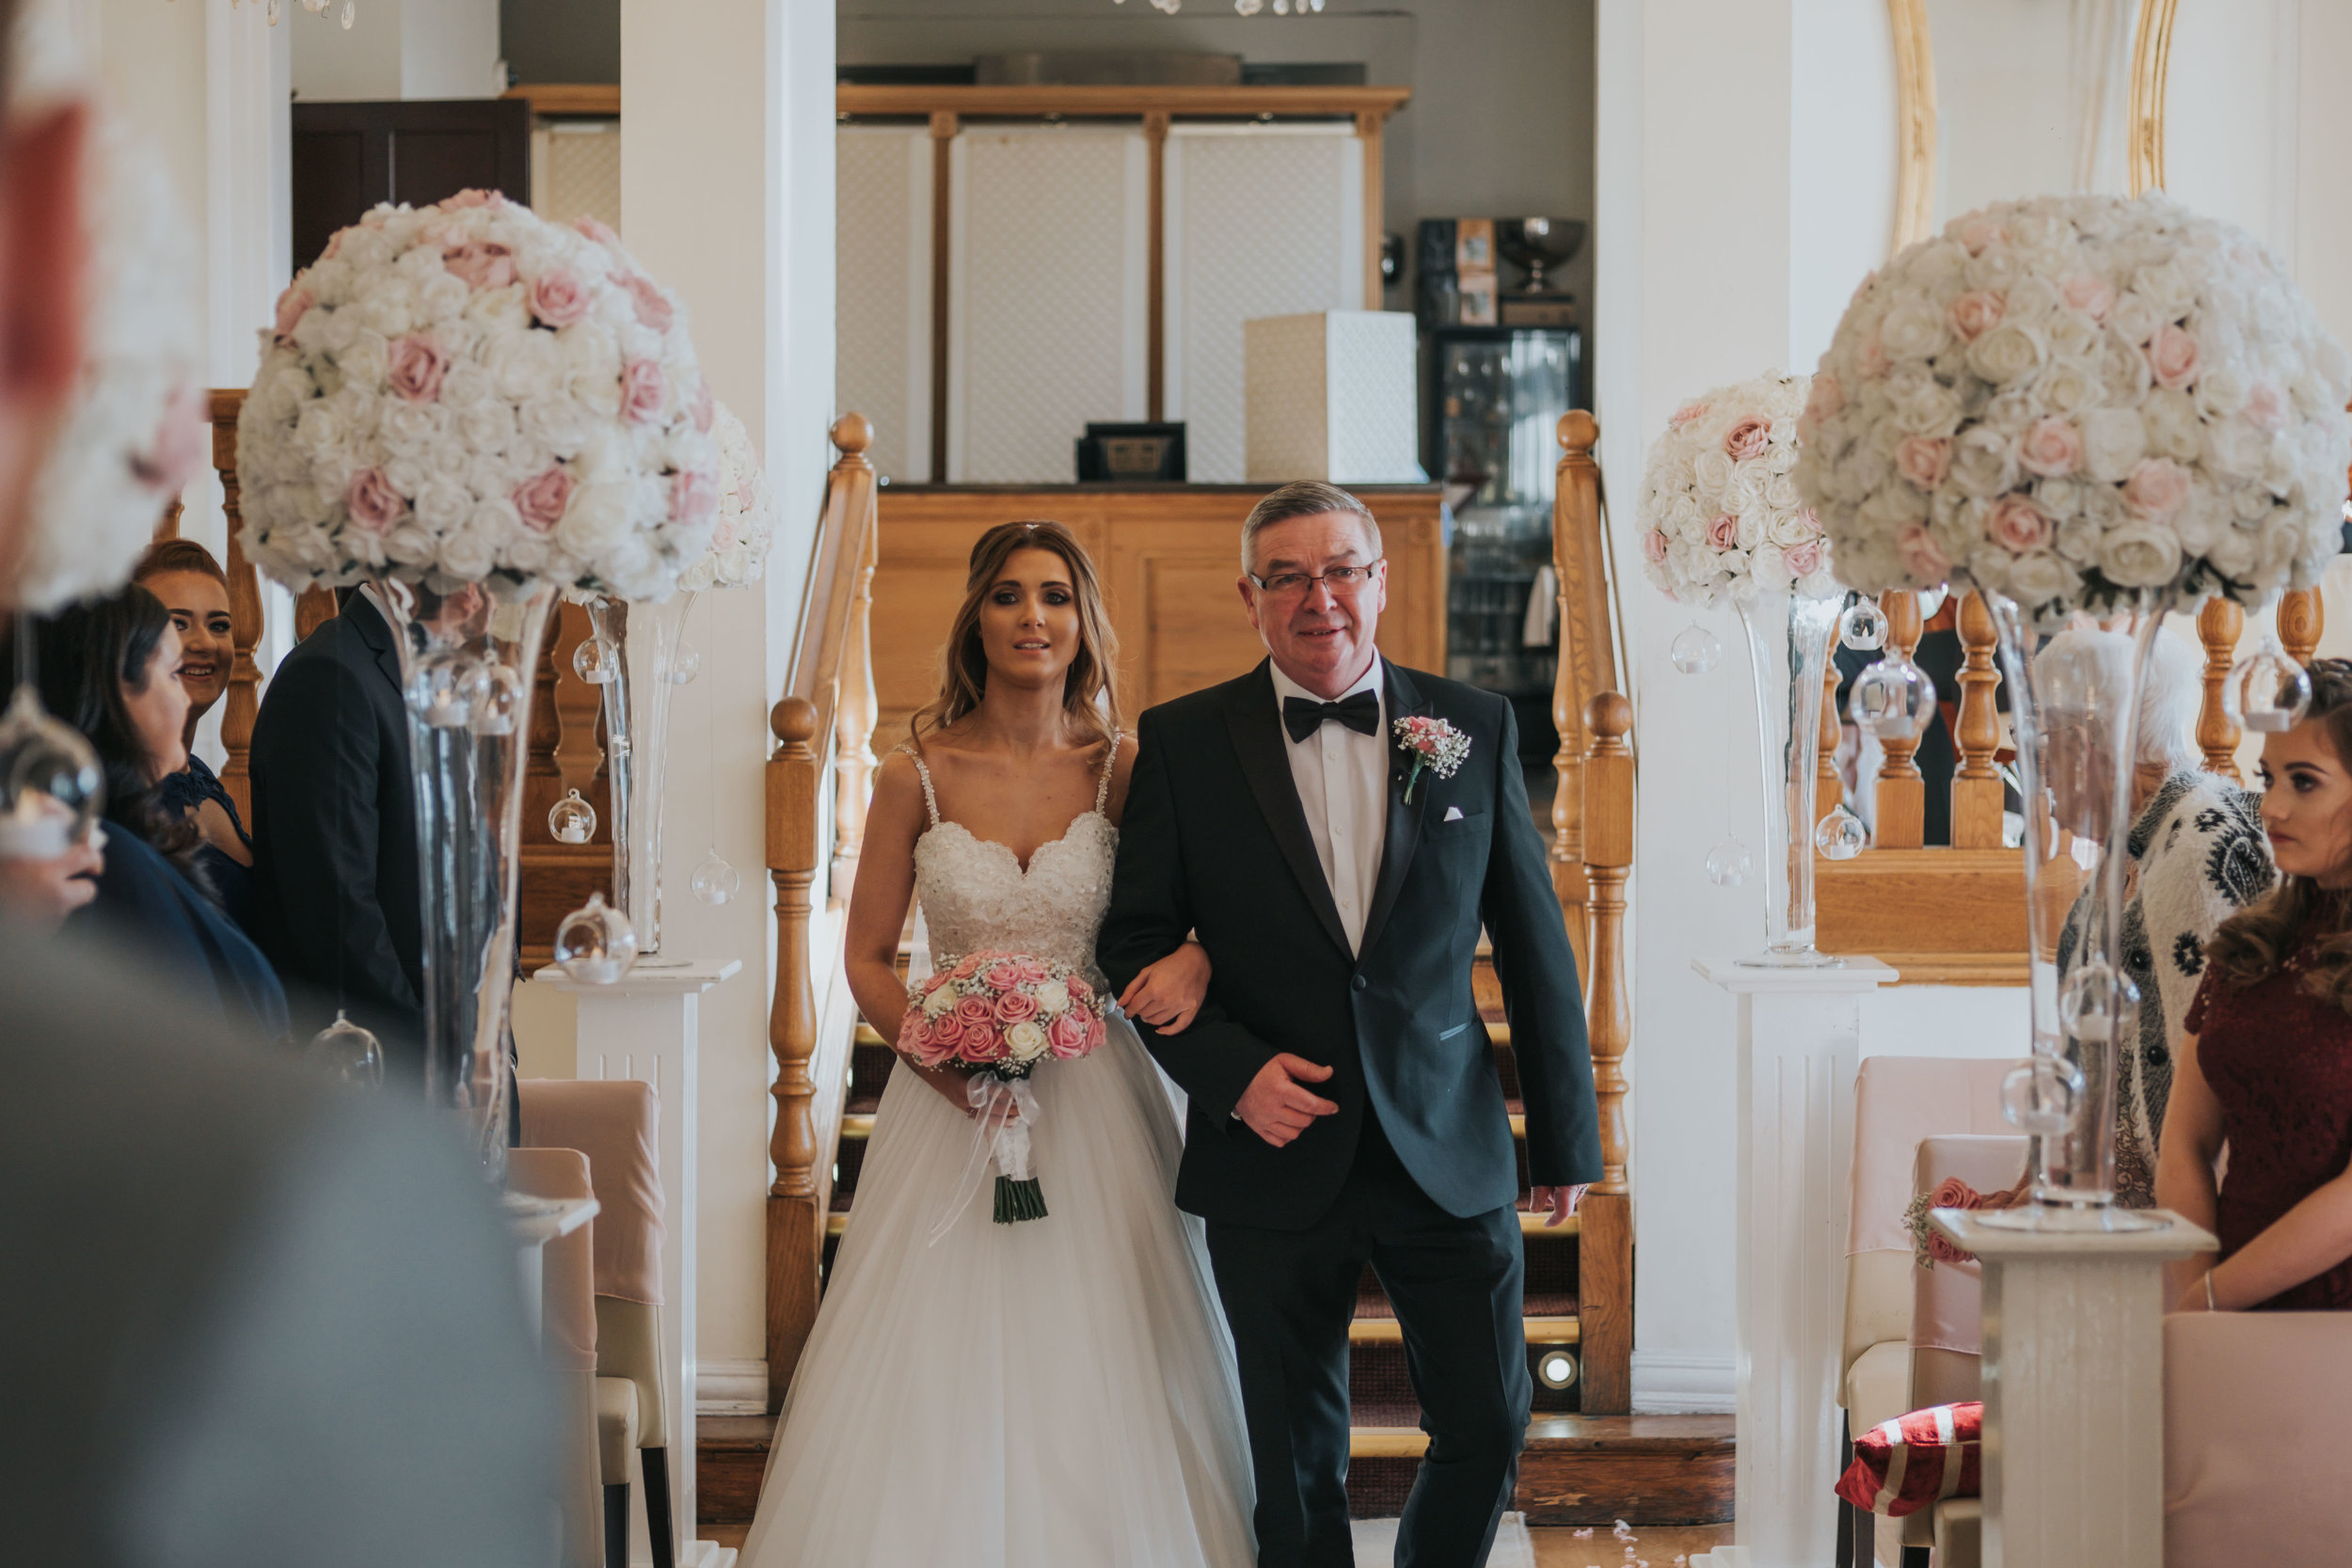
x=1457 y=1286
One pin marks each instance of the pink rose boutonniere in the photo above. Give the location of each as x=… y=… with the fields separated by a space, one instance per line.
x=1434 y=746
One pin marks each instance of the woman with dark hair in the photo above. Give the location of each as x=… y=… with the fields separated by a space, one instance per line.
x=192 y=586
x=2266 y=1069
x=109 y=669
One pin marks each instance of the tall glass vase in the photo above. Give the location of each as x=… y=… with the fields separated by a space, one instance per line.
x=1788 y=648
x=2075 y=716
x=465 y=662
x=654 y=660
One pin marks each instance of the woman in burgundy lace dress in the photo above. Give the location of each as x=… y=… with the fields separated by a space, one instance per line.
x=2266 y=1067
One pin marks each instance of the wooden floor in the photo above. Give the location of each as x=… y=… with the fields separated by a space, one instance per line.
x=1661 y=1545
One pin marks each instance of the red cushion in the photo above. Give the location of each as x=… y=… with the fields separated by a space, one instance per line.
x=1901 y=1467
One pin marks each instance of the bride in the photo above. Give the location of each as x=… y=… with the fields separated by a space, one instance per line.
x=1057 y=1393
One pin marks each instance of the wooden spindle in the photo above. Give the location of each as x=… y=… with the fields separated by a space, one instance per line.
x=168 y=526
x=1977 y=788
x=1588 y=664
x=795 y=1234
x=242 y=703
x=857 y=708
x=2302 y=616
x=1829 y=788
x=577 y=752
x=2218 y=627
x=1902 y=794
x=1605 y=1242
x=315 y=606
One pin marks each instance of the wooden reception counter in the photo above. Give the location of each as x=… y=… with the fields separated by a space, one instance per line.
x=1170 y=555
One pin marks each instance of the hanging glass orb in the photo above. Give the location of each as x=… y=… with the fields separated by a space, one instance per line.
x=1863 y=628
x=1695 y=650
x=715 y=881
x=499 y=696
x=2098 y=1001
x=595 y=944
x=2266 y=692
x=347 y=1052
x=51 y=785
x=597 y=660
x=1727 y=864
x=685 y=663
x=1840 y=835
x=351 y=13
x=2039 y=1095
x=271 y=13
x=1893 y=699
x=444 y=687
x=1931 y=600
x=571 y=820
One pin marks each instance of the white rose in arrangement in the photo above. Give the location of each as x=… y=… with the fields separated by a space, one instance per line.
x=1717 y=518
x=747 y=513
x=468 y=393
x=2080 y=402
x=1026 y=1041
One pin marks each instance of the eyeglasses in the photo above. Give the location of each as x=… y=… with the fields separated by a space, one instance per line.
x=1339 y=579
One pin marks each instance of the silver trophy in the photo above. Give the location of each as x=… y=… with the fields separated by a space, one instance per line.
x=1538 y=245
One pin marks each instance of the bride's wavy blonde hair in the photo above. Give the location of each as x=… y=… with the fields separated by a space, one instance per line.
x=2250 y=946
x=1090 y=693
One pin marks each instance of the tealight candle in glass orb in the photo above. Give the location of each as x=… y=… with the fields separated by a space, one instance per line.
x=1893 y=699
x=597 y=660
x=595 y=944
x=1695 y=650
x=571 y=820
x=498 y=694
x=1727 y=864
x=347 y=1052
x=1840 y=835
x=443 y=688
x=2266 y=692
x=715 y=881
x=1863 y=628
x=51 y=785
x=685 y=663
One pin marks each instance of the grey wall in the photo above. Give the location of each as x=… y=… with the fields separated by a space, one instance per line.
x=1501 y=121
x=562 y=40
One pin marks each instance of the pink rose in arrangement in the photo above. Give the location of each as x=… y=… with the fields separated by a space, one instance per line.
x=1748 y=439
x=181 y=441
x=1079 y=989
x=2173 y=356
x=2051 y=447
x=1978 y=232
x=1924 y=460
x=1015 y=1007
x=693 y=495
x=2265 y=406
x=965 y=968
x=1826 y=400
x=1804 y=560
x=1953 y=1193
x=975 y=1011
x=2157 y=488
x=558 y=298
x=1922 y=557
x=484 y=265
x=1724 y=532
x=374 y=505
x=643 y=388
x=1031 y=972
x=2017 y=525
x=705 y=408
x=1944 y=1252
x=2088 y=292
x=417 y=365
x=1871 y=358
x=292 y=307
x=653 y=308
x=1654 y=545
x=474 y=198
x=541 y=501
x=1976 y=313
x=597 y=229
x=1687 y=412
x=1073 y=1033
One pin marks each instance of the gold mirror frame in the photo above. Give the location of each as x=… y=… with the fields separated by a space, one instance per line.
x=1916 y=122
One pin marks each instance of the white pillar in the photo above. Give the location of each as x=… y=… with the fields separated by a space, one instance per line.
x=2074 y=1389
x=1799 y=1038
x=649 y=1027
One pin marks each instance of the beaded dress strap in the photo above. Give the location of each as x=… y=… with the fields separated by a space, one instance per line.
x=1103 y=786
x=930 y=800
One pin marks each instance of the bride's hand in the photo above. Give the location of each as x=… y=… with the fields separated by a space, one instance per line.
x=1168 y=993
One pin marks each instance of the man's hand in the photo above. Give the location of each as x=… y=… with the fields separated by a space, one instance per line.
x=1562 y=1201
x=1278 y=1105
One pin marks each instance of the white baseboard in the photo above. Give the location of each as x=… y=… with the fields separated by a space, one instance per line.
x=730 y=1387
x=1670 y=1382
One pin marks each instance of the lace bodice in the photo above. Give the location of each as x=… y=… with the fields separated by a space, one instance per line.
x=975 y=897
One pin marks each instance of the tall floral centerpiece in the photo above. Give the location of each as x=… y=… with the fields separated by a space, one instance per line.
x=475 y=409
x=2080 y=404
x=1721 y=518
x=651 y=658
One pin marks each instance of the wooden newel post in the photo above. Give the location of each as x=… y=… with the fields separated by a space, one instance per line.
x=1902 y=794
x=1976 y=786
x=857 y=708
x=2302 y=616
x=2217 y=627
x=242 y=704
x=1586 y=664
x=1605 y=1244
x=795 y=1229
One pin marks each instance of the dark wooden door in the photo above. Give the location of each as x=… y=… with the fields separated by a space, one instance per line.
x=348 y=157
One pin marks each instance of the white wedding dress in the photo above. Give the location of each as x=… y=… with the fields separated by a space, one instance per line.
x=1057 y=1393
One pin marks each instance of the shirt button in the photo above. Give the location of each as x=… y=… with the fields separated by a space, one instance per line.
x=1358 y=983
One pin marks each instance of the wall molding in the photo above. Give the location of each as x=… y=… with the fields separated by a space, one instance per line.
x=731 y=1388
x=1673 y=1383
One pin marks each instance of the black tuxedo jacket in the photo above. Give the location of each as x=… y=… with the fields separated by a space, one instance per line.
x=335 y=866
x=1214 y=842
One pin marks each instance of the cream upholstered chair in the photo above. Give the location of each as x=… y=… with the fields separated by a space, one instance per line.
x=1898 y=1102
x=612 y=1121
x=567 y=1341
x=2253 y=1444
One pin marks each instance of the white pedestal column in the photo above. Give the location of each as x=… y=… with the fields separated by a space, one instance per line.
x=645 y=1027
x=1799 y=1038
x=2074 y=1389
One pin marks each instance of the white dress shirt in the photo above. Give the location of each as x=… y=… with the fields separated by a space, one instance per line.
x=1343 y=780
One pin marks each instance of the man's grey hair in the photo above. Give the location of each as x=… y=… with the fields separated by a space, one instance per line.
x=2094 y=664
x=1303 y=497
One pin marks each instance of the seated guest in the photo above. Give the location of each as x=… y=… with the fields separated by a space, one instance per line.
x=108 y=669
x=2197 y=857
x=183 y=574
x=36 y=893
x=2267 y=1065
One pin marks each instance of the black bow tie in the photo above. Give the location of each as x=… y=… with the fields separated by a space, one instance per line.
x=1361 y=712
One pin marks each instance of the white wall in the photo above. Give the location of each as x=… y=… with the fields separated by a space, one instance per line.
x=396 y=49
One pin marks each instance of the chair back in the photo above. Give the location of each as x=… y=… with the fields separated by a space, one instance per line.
x=567 y=1310
x=1946 y=1328
x=614 y=1122
x=2253 y=1445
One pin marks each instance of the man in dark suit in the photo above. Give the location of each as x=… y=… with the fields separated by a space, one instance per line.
x=335 y=865
x=1345 y=1107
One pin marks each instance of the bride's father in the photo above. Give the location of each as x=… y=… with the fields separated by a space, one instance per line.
x=1344 y=1103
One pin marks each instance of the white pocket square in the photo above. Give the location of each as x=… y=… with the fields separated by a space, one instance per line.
x=1453 y=814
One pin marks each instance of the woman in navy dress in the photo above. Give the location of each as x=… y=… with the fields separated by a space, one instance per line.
x=109 y=669
x=183 y=574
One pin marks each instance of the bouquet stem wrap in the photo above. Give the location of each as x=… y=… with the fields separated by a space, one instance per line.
x=1004 y=1110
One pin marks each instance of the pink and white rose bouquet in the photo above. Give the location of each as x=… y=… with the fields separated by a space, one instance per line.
x=2078 y=400
x=997 y=1017
x=467 y=392
x=747 y=513
x=1720 y=515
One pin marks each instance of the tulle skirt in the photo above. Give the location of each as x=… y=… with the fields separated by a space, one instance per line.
x=1057 y=1393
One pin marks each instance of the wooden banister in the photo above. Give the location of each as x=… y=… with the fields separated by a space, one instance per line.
x=1977 y=787
x=829 y=685
x=1902 y=794
x=242 y=703
x=1588 y=652
x=1829 y=788
x=2219 y=626
x=1605 y=1243
x=2302 y=616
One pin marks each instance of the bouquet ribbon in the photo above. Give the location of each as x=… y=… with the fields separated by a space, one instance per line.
x=1005 y=1140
